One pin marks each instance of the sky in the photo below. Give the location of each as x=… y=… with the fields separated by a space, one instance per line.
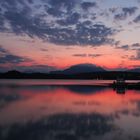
x=45 y=35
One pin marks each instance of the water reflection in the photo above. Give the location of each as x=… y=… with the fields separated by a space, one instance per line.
x=63 y=126
x=68 y=112
x=84 y=89
x=120 y=90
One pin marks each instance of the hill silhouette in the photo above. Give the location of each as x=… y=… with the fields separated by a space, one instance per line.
x=80 y=71
x=106 y=75
x=134 y=70
x=83 y=68
x=80 y=68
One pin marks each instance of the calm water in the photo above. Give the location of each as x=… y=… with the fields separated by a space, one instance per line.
x=67 y=110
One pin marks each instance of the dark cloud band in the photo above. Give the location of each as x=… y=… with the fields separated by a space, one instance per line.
x=8 y=58
x=58 y=23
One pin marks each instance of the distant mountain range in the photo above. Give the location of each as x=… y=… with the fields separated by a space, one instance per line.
x=80 y=71
x=80 y=68
x=134 y=70
x=75 y=69
x=30 y=69
x=88 y=68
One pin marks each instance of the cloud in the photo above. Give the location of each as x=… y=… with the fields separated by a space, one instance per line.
x=129 y=10
x=137 y=56
x=124 y=47
x=58 y=8
x=137 y=19
x=80 y=55
x=95 y=55
x=138 y=1
x=120 y=17
x=62 y=3
x=54 y=12
x=2 y=50
x=44 y=50
x=29 y=69
x=82 y=35
x=125 y=12
x=71 y=19
x=87 y=55
x=7 y=57
x=1 y=22
x=88 y=5
x=36 y=68
x=134 y=46
x=135 y=66
x=30 y=1
x=12 y=59
x=60 y=22
x=113 y=9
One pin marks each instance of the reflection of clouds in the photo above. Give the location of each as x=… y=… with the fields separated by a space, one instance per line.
x=67 y=127
x=62 y=127
x=136 y=112
x=12 y=93
x=5 y=99
x=94 y=103
x=133 y=111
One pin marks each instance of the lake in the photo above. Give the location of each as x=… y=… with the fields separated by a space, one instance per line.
x=67 y=110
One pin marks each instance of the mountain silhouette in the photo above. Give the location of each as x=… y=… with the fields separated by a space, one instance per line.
x=135 y=70
x=81 y=68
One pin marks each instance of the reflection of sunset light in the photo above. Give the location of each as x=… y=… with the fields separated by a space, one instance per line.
x=39 y=103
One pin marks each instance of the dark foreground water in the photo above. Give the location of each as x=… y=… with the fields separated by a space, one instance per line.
x=63 y=110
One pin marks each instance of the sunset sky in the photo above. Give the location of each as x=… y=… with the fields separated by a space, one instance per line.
x=55 y=34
